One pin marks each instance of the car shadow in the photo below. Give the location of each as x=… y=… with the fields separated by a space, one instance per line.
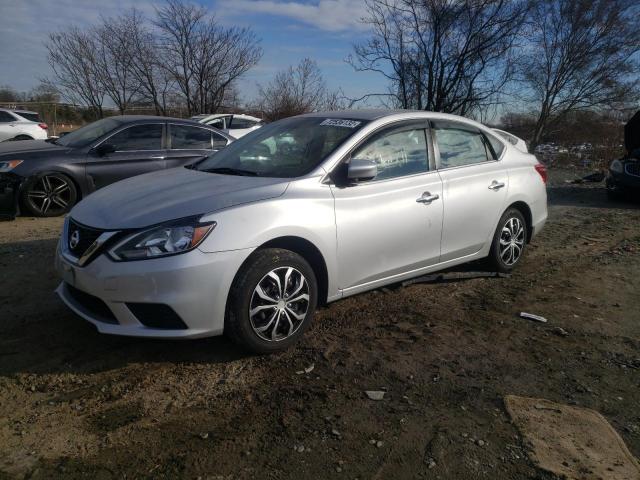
x=39 y=334
x=586 y=195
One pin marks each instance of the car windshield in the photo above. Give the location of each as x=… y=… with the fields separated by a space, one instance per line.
x=287 y=148
x=89 y=133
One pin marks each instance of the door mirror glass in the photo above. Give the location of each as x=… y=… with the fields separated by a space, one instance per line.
x=360 y=169
x=105 y=149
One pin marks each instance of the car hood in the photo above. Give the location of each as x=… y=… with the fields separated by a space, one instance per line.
x=29 y=147
x=170 y=194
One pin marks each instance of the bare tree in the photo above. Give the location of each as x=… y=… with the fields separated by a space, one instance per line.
x=442 y=55
x=154 y=83
x=203 y=57
x=580 y=56
x=72 y=57
x=115 y=59
x=297 y=90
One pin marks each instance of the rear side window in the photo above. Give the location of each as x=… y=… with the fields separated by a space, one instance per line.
x=6 y=117
x=497 y=146
x=238 y=123
x=460 y=145
x=396 y=153
x=185 y=138
x=138 y=137
x=32 y=117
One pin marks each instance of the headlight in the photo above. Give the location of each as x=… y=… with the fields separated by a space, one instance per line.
x=616 y=166
x=163 y=240
x=7 y=166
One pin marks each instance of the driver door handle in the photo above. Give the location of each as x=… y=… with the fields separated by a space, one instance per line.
x=427 y=198
x=495 y=185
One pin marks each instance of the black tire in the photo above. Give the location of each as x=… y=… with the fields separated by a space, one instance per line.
x=615 y=195
x=242 y=328
x=48 y=195
x=499 y=259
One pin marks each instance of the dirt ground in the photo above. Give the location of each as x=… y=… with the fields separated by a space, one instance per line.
x=77 y=404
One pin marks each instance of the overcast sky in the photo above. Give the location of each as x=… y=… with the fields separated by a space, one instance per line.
x=323 y=30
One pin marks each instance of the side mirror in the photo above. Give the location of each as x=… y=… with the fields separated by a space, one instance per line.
x=361 y=169
x=105 y=148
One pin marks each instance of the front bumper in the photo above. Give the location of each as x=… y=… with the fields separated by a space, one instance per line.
x=194 y=285
x=9 y=189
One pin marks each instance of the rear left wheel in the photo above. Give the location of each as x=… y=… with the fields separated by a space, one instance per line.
x=509 y=241
x=272 y=301
x=49 y=195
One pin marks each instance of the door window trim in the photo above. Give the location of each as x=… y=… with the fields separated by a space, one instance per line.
x=462 y=126
x=400 y=126
x=162 y=138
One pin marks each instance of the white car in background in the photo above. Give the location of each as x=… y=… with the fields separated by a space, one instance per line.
x=21 y=125
x=235 y=124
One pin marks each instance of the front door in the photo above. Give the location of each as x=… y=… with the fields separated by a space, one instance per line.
x=138 y=149
x=391 y=224
x=474 y=187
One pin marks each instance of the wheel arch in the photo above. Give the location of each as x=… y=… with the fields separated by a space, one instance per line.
x=525 y=210
x=310 y=253
x=68 y=174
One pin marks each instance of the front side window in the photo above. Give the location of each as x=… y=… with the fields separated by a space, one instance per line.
x=287 y=148
x=186 y=138
x=396 y=153
x=461 y=145
x=138 y=137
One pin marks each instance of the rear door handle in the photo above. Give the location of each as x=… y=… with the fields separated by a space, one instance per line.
x=427 y=198
x=496 y=185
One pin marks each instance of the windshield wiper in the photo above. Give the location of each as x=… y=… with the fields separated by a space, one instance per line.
x=231 y=171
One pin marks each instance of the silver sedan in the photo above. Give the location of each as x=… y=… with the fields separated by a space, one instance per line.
x=304 y=211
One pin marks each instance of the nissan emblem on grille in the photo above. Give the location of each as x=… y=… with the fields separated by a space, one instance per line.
x=74 y=240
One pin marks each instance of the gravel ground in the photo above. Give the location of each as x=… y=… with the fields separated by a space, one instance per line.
x=77 y=404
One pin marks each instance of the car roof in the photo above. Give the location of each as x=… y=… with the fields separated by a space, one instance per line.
x=370 y=115
x=125 y=119
x=17 y=111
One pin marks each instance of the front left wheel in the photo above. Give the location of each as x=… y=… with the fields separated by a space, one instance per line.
x=272 y=301
x=49 y=195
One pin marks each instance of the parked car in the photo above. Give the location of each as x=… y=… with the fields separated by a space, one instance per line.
x=235 y=124
x=251 y=239
x=517 y=142
x=49 y=177
x=624 y=174
x=21 y=125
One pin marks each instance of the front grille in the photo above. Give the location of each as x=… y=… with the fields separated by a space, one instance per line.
x=157 y=315
x=94 y=306
x=80 y=238
x=633 y=169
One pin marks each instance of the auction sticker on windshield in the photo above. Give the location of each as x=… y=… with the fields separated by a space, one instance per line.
x=336 y=122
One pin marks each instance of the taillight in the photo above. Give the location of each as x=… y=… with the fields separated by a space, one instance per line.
x=43 y=126
x=542 y=170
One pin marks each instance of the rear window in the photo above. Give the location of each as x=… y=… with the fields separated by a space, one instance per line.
x=32 y=117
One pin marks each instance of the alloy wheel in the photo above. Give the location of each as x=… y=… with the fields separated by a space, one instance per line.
x=49 y=195
x=279 y=304
x=512 y=238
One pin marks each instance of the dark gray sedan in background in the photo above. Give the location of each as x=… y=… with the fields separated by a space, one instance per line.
x=46 y=178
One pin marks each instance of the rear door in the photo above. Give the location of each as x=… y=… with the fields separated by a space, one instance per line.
x=474 y=186
x=138 y=149
x=188 y=144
